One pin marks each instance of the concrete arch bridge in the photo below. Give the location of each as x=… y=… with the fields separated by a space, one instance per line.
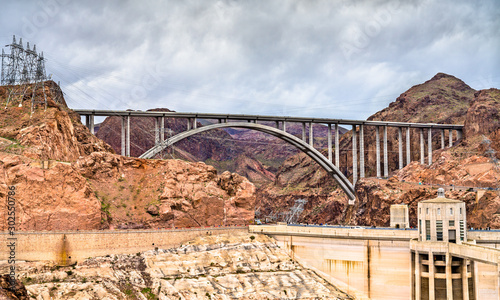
x=305 y=145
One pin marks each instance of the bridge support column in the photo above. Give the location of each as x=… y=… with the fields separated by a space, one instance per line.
x=459 y=133
x=354 y=156
x=195 y=123
x=123 y=136
x=361 y=152
x=442 y=138
x=277 y=124
x=304 y=132
x=449 y=283
x=127 y=150
x=400 y=147
x=91 y=124
x=337 y=150
x=450 y=137
x=386 y=160
x=162 y=130
x=157 y=131
x=429 y=145
x=311 y=137
x=330 y=142
x=377 y=151
x=432 y=288
x=408 y=153
x=284 y=126
x=422 y=153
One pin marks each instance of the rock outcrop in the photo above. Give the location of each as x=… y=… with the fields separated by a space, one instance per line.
x=12 y=290
x=48 y=196
x=183 y=194
x=54 y=133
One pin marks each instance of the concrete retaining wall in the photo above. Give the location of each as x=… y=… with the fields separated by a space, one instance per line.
x=74 y=246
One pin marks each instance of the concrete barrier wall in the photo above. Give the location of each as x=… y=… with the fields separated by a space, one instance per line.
x=325 y=231
x=74 y=246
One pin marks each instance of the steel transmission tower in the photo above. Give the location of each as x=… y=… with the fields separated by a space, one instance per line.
x=23 y=68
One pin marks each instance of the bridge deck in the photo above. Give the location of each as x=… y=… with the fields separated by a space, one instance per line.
x=242 y=117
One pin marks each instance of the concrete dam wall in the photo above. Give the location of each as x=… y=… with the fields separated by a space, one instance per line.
x=74 y=246
x=370 y=263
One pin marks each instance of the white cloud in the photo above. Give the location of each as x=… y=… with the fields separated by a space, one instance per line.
x=319 y=58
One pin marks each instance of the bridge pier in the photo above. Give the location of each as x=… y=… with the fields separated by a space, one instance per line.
x=354 y=156
x=157 y=131
x=284 y=126
x=123 y=136
x=127 y=142
x=304 y=132
x=400 y=147
x=386 y=160
x=311 y=137
x=377 y=151
x=459 y=135
x=422 y=161
x=337 y=150
x=442 y=138
x=330 y=142
x=408 y=153
x=162 y=130
x=450 y=137
x=361 y=152
x=429 y=145
x=89 y=122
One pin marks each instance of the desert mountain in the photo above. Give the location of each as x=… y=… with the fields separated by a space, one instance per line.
x=469 y=163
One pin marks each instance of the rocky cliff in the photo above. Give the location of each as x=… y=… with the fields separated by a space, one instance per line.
x=55 y=133
x=66 y=178
x=140 y=193
x=239 y=266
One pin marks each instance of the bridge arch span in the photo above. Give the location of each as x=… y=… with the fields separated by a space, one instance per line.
x=326 y=164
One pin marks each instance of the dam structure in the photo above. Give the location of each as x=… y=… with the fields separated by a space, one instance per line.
x=439 y=260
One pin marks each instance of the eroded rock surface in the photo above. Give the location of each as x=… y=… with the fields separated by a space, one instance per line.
x=184 y=194
x=232 y=266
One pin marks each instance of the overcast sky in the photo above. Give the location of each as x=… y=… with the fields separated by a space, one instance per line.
x=339 y=59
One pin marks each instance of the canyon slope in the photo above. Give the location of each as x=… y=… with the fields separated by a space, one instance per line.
x=469 y=164
x=65 y=178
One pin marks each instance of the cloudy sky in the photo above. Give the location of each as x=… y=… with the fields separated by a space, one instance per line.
x=339 y=59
